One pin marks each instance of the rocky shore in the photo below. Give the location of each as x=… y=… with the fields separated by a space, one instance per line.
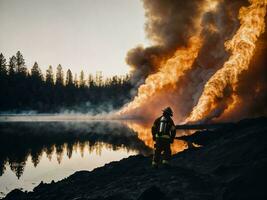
x=230 y=164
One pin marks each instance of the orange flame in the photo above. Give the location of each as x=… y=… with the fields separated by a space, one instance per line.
x=242 y=46
x=167 y=75
x=170 y=70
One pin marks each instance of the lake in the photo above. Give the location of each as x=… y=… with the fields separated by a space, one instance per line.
x=46 y=148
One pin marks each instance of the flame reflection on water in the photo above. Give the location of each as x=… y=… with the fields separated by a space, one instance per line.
x=39 y=149
x=143 y=131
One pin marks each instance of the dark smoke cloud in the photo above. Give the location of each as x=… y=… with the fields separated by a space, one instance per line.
x=143 y=62
x=169 y=25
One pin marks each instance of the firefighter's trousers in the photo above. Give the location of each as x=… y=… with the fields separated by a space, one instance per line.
x=162 y=151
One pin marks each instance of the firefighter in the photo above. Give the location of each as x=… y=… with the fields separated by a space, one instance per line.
x=163 y=132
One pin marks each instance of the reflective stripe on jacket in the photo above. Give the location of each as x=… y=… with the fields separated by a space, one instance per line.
x=163 y=136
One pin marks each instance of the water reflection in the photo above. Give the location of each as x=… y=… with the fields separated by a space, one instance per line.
x=21 y=140
x=31 y=152
x=143 y=130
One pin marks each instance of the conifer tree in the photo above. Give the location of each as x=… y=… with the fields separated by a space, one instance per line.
x=82 y=80
x=76 y=82
x=59 y=76
x=36 y=72
x=69 y=78
x=21 y=69
x=12 y=66
x=3 y=69
x=91 y=81
x=49 y=77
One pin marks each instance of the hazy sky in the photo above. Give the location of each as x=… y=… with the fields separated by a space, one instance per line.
x=79 y=34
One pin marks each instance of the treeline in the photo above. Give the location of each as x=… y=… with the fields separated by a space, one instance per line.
x=25 y=89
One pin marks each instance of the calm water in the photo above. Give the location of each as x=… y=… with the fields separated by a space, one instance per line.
x=38 y=150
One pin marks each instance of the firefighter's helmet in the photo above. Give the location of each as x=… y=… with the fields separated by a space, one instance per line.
x=167 y=111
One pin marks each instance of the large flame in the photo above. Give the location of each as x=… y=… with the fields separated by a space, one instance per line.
x=220 y=93
x=242 y=47
x=172 y=69
x=168 y=74
x=219 y=88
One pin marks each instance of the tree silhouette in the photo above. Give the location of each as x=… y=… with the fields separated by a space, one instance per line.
x=76 y=82
x=36 y=155
x=3 y=80
x=69 y=78
x=2 y=167
x=82 y=80
x=12 y=66
x=17 y=166
x=3 y=69
x=59 y=152
x=33 y=91
x=99 y=78
x=91 y=81
x=59 y=76
x=21 y=69
x=49 y=77
x=36 y=73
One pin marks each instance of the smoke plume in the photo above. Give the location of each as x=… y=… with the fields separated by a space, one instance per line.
x=190 y=46
x=169 y=25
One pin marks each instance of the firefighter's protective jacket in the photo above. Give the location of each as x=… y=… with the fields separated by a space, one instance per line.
x=163 y=127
